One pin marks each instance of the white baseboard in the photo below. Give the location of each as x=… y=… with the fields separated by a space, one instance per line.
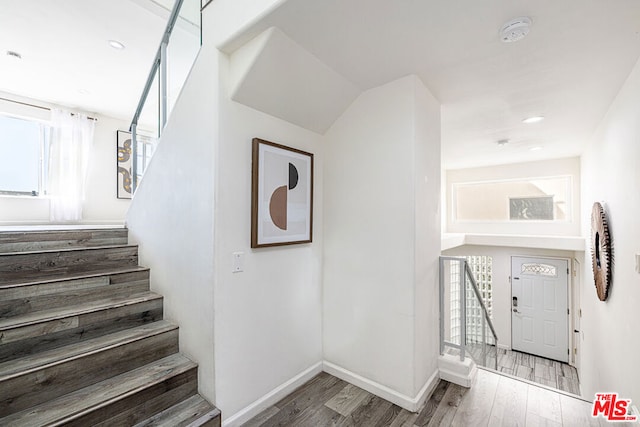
x=427 y=390
x=411 y=404
x=272 y=397
x=504 y=347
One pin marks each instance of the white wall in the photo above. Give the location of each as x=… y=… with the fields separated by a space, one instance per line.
x=611 y=175
x=501 y=269
x=172 y=215
x=101 y=203
x=427 y=230
x=224 y=19
x=554 y=167
x=275 y=75
x=101 y=206
x=375 y=156
x=268 y=327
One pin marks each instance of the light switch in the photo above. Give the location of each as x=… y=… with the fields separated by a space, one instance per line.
x=638 y=263
x=238 y=262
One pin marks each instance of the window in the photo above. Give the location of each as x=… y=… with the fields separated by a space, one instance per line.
x=539 y=269
x=531 y=208
x=146 y=148
x=481 y=266
x=24 y=147
x=532 y=199
x=454 y=281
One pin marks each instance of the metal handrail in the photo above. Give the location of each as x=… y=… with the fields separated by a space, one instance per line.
x=480 y=299
x=173 y=17
x=465 y=271
x=159 y=66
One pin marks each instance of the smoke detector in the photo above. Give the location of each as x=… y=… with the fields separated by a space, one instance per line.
x=516 y=29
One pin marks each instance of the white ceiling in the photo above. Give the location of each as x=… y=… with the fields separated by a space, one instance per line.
x=275 y=75
x=66 y=58
x=569 y=68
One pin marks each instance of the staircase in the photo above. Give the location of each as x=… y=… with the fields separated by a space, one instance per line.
x=82 y=339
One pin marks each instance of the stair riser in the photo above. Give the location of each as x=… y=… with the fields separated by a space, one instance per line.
x=145 y=409
x=21 y=300
x=35 y=241
x=195 y=409
x=40 y=385
x=20 y=341
x=214 y=422
x=143 y=403
x=36 y=266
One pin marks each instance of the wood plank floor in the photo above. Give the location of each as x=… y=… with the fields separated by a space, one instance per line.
x=550 y=373
x=540 y=370
x=493 y=400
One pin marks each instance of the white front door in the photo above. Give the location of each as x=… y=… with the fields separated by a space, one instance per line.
x=539 y=307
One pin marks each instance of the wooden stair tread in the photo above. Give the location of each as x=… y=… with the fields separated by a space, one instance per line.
x=70 y=249
x=35 y=289
x=24 y=240
x=26 y=364
x=60 y=231
x=76 y=276
x=182 y=414
x=19 y=300
x=78 y=403
x=16 y=267
x=61 y=313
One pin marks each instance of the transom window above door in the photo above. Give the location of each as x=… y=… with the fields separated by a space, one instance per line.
x=539 y=269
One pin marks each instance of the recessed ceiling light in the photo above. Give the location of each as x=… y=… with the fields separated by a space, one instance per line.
x=14 y=54
x=116 y=44
x=534 y=119
x=538 y=148
x=502 y=142
x=515 y=30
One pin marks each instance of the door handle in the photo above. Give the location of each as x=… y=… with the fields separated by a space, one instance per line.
x=515 y=310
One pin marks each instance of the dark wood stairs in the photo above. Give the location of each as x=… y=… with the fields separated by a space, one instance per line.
x=82 y=338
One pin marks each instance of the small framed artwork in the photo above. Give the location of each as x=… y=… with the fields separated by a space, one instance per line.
x=124 y=164
x=281 y=195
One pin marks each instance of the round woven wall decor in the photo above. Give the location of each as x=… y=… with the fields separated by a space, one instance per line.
x=601 y=253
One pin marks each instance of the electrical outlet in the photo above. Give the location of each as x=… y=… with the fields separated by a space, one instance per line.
x=238 y=262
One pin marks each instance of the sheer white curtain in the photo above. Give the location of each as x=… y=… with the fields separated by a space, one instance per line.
x=71 y=141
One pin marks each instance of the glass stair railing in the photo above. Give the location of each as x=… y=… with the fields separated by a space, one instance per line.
x=465 y=324
x=176 y=54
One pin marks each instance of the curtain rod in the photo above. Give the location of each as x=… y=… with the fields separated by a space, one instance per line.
x=38 y=106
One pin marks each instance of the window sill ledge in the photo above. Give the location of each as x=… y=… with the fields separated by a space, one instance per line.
x=565 y=243
x=23 y=196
